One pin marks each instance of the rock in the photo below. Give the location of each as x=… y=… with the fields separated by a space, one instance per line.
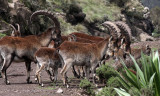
x=59 y=90
x=75 y=14
x=145 y=37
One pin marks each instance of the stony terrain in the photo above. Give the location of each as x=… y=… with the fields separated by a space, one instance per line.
x=19 y=87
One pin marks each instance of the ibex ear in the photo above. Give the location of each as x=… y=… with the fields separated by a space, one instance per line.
x=110 y=39
x=69 y=39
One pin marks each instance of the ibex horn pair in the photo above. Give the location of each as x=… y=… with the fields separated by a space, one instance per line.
x=126 y=29
x=112 y=27
x=15 y=28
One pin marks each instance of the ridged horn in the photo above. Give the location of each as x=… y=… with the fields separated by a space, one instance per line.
x=114 y=30
x=126 y=29
x=46 y=13
x=13 y=27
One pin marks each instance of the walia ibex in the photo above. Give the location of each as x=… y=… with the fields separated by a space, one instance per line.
x=15 y=32
x=126 y=37
x=85 y=54
x=49 y=59
x=95 y=39
x=136 y=53
x=22 y=49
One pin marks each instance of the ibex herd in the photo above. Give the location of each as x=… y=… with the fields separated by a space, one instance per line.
x=51 y=51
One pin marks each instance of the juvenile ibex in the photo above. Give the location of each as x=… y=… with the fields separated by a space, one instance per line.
x=15 y=32
x=85 y=54
x=47 y=58
x=22 y=49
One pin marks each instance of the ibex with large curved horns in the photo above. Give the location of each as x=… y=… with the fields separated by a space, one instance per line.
x=15 y=32
x=23 y=49
x=85 y=54
x=126 y=36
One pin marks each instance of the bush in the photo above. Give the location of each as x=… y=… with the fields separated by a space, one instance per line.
x=2 y=35
x=114 y=82
x=105 y=72
x=107 y=91
x=87 y=87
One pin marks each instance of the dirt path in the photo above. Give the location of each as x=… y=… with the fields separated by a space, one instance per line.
x=17 y=77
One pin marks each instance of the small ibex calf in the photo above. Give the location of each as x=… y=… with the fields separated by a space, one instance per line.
x=47 y=58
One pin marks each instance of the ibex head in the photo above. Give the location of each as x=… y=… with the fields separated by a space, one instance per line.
x=55 y=30
x=115 y=32
x=125 y=36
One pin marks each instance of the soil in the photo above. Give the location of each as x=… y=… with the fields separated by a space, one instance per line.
x=19 y=87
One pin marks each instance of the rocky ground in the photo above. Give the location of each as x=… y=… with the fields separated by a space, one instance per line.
x=18 y=87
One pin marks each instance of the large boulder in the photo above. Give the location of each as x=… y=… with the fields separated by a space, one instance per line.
x=143 y=36
x=75 y=14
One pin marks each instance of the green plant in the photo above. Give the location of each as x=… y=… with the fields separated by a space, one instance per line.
x=2 y=35
x=87 y=87
x=114 y=82
x=147 y=78
x=105 y=72
x=107 y=91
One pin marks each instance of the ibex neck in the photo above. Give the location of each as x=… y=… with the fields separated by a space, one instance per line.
x=102 y=46
x=45 y=38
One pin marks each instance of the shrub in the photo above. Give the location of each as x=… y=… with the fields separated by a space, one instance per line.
x=114 y=82
x=87 y=87
x=2 y=35
x=107 y=91
x=105 y=72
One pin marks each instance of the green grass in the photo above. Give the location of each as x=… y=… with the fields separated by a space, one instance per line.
x=98 y=12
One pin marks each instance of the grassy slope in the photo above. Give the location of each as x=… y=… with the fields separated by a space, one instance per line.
x=93 y=13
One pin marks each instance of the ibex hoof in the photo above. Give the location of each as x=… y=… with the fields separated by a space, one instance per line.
x=52 y=79
x=42 y=85
x=29 y=82
x=67 y=86
x=7 y=83
x=36 y=80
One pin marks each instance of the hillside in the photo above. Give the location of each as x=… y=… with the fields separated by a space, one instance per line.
x=89 y=14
